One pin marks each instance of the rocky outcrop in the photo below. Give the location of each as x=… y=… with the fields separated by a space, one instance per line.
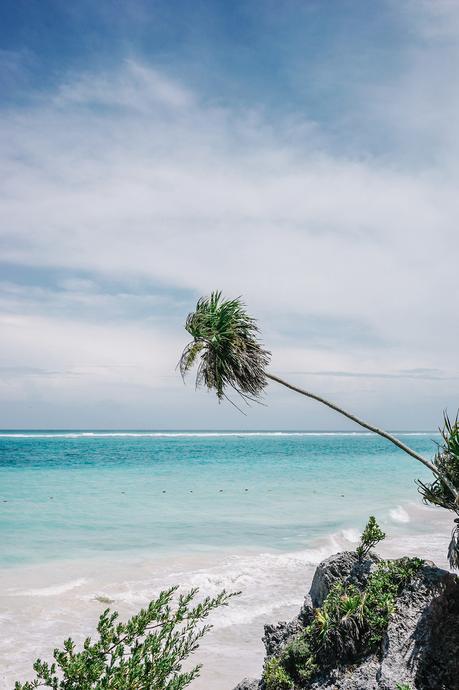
x=277 y=636
x=344 y=567
x=420 y=647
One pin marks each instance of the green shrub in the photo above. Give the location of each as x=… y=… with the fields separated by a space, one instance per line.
x=146 y=652
x=298 y=659
x=275 y=676
x=372 y=535
x=381 y=592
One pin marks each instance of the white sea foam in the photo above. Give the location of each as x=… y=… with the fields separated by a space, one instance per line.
x=196 y=434
x=351 y=535
x=54 y=590
x=273 y=585
x=399 y=514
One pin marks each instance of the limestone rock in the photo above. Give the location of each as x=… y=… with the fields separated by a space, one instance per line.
x=343 y=566
x=278 y=635
x=420 y=647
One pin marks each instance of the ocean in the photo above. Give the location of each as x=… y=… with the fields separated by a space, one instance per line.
x=122 y=515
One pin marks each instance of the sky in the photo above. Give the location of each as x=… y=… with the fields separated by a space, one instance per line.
x=302 y=154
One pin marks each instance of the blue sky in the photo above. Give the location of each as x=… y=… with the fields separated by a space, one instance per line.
x=302 y=154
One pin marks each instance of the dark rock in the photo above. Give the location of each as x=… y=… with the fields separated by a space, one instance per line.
x=278 y=635
x=420 y=647
x=306 y=612
x=327 y=573
x=422 y=639
x=344 y=567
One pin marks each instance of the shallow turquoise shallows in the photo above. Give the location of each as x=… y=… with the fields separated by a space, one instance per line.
x=66 y=495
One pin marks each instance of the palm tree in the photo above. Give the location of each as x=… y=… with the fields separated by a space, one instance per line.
x=226 y=346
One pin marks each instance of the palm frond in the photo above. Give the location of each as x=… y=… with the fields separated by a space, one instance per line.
x=446 y=461
x=226 y=345
x=438 y=493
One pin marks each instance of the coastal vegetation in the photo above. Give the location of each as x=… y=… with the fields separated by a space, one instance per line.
x=438 y=493
x=146 y=652
x=349 y=625
x=229 y=355
x=371 y=536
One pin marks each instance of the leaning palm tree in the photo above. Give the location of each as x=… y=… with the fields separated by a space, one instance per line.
x=230 y=356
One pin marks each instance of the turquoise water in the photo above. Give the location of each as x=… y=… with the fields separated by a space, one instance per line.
x=69 y=495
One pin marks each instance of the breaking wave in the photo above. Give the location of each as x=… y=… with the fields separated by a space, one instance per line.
x=194 y=434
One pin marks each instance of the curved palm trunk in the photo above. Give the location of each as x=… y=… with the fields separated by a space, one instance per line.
x=370 y=427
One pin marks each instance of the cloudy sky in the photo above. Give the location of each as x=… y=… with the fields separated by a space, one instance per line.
x=303 y=154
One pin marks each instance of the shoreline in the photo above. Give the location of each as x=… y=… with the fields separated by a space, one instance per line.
x=44 y=603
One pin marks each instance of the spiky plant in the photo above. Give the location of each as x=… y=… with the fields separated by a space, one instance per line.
x=438 y=493
x=225 y=344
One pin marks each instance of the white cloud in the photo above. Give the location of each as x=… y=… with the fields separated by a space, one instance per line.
x=133 y=87
x=128 y=175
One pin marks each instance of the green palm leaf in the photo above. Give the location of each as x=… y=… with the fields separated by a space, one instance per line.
x=225 y=339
